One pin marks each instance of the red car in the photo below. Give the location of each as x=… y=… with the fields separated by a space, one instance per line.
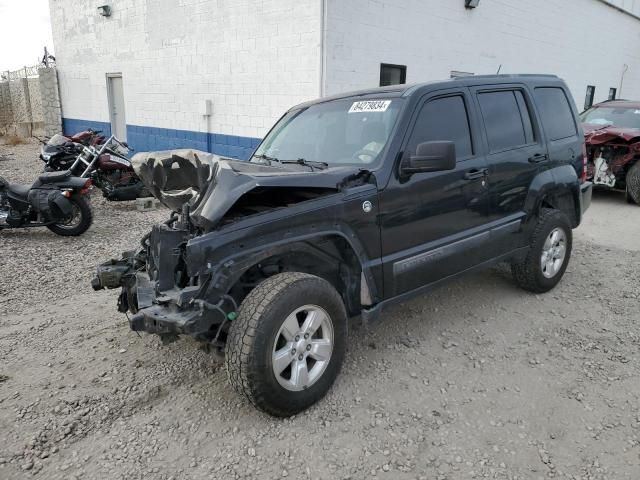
x=612 y=137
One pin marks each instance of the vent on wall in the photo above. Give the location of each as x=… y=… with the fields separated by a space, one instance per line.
x=104 y=10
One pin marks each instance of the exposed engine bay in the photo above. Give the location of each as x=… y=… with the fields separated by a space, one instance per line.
x=604 y=163
x=610 y=154
x=178 y=281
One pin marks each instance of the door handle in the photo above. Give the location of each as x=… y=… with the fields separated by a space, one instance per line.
x=476 y=173
x=539 y=157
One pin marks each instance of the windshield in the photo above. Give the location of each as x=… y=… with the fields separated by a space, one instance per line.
x=617 y=117
x=339 y=132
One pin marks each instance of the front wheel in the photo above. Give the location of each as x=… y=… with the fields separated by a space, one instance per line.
x=548 y=255
x=287 y=345
x=78 y=222
x=632 y=193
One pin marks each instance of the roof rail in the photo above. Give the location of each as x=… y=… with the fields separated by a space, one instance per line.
x=507 y=75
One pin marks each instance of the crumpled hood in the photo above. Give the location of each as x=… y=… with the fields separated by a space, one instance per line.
x=598 y=134
x=210 y=184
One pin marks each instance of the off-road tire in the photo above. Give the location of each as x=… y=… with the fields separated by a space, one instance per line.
x=86 y=219
x=249 y=348
x=632 y=193
x=528 y=272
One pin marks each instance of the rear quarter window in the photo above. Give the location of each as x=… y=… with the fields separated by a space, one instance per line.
x=555 y=112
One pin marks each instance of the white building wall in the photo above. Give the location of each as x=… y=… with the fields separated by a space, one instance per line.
x=586 y=42
x=252 y=58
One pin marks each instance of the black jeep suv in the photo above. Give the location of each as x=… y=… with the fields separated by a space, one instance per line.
x=349 y=204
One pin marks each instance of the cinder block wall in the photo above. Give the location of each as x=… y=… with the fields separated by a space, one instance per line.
x=587 y=42
x=50 y=101
x=252 y=58
x=20 y=106
x=6 y=112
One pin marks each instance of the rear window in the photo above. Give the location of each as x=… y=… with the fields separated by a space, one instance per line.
x=503 y=121
x=556 y=113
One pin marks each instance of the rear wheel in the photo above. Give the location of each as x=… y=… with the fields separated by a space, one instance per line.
x=548 y=255
x=78 y=222
x=287 y=345
x=633 y=184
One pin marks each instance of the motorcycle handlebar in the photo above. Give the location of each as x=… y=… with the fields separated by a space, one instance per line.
x=123 y=144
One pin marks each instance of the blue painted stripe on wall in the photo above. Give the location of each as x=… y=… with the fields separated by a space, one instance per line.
x=74 y=125
x=144 y=139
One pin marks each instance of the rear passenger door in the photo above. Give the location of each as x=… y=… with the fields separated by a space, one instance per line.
x=515 y=154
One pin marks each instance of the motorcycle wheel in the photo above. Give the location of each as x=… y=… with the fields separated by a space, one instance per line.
x=78 y=222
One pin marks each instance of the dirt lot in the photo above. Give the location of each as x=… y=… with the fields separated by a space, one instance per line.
x=476 y=380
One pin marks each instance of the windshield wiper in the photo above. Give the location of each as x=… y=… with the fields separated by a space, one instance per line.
x=269 y=159
x=308 y=163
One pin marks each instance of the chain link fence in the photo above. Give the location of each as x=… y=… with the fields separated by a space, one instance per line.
x=30 y=102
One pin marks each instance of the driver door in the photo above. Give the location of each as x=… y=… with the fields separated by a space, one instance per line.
x=433 y=224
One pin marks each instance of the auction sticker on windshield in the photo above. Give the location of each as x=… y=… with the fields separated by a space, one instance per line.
x=370 y=106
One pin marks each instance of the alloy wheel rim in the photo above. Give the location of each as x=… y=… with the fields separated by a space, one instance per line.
x=302 y=348
x=554 y=251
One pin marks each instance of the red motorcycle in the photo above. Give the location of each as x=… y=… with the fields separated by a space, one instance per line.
x=88 y=137
x=91 y=156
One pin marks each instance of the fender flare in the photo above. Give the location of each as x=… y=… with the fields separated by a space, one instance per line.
x=229 y=259
x=554 y=183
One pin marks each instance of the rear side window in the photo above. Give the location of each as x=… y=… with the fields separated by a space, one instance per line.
x=556 y=113
x=505 y=125
x=443 y=119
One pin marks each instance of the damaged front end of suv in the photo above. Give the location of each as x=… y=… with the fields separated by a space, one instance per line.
x=233 y=223
x=612 y=139
x=611 y=153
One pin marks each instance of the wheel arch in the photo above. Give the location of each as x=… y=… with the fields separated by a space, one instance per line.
x=331 y=255
x=558 y=189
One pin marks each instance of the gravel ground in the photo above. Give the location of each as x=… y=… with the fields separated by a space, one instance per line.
x=45 y=267
x=475 y=380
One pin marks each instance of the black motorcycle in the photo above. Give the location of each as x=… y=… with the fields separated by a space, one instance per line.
x=56 y=200
x=59 y=153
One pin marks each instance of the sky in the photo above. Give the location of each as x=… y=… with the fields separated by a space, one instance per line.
x=25 y=29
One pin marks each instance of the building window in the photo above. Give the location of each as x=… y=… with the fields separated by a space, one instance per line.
x=392 y=74
x=588 y=99
x=612 y=93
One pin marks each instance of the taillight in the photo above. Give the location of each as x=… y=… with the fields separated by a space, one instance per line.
x=583 y=177
x=86 y=187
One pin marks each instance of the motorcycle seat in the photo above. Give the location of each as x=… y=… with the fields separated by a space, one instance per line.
x=19 y=190
x=52 y=177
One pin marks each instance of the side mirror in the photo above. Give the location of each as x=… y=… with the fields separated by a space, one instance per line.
x=430 y=157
